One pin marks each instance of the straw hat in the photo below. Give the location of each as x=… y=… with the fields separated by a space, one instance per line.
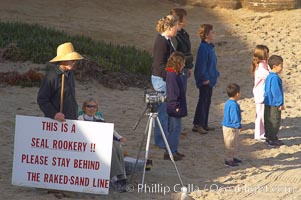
x=66 y=52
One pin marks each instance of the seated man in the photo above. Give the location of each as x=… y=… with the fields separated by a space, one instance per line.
x=118 y=175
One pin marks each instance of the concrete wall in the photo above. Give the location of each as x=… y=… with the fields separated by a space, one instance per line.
x=257 y=5
x=272 y=5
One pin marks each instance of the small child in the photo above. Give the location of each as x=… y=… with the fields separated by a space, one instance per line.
x=273 y=101
x=176 y=102
x=260 y=70
x=232 y=124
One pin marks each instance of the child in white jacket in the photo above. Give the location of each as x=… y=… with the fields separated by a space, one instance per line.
x=260 y=70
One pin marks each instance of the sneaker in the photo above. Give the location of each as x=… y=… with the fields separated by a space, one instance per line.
x=279 y=142
x=207 y=128
x=175 y=157
x=274 y=143
x=270 y=143
x=230 y=163
x=236 y=160
x=199 y=129
x=260 y=140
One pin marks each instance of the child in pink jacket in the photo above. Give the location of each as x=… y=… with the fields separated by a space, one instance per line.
x=260 y=70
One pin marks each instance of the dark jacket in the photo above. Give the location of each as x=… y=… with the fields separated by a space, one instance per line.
x=182 y=44
x=175 y=95
x=161 y=51
x=50 y=92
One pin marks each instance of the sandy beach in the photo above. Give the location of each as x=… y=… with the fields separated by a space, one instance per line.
x=266 y=172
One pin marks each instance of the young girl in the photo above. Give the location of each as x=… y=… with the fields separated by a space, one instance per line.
x=176 y=102
x=205 y=75
x=260 y=70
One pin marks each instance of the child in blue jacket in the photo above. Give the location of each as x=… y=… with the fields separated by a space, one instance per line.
x=273 y=101
x=232 y=124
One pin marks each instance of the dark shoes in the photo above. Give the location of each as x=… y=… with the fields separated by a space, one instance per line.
x=199 y=129
x=236 y=160
x=119 y=185
x=209 y=128
x=231 y=163
x=177 y=156
x=180 y=154
x=274 y=143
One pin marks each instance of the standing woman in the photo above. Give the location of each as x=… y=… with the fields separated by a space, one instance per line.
x=182 y=43
x=163 y=48
x=205 y=74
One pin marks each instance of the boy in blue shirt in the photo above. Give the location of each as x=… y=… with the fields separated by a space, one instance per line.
x=232 y=124
x=273 y=101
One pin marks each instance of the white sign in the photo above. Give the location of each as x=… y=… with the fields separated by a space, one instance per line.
x=72 y=155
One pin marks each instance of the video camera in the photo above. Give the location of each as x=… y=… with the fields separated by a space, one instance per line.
x=153 y=98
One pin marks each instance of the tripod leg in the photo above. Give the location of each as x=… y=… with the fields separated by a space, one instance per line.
x=138 y=156
x=168 y=149
x=147 y=146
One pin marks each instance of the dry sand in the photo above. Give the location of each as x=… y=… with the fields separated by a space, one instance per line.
x=265 y=173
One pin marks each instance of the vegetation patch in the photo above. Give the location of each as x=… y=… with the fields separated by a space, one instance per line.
x=126 y=65
x=28 y=79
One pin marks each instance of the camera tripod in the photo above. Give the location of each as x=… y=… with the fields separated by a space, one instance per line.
x=153 y=117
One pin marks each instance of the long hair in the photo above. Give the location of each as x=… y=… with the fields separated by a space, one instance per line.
x=176 y=61
x=261 y=52
x=166 y=22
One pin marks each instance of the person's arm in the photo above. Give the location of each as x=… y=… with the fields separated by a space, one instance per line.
x=161 y=54
x=173 y=93
x=235 y=116
x=119 y=137
x=277 y=91
x=45 y=94
x=201 y=65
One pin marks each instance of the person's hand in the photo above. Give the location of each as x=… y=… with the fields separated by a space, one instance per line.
x=188 y=73
x=282 y=107
x=240 y=130
x=123 y=139
x=206 y=82
x=59 y=117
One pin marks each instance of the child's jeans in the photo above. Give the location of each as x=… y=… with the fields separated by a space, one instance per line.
x=174 y=131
